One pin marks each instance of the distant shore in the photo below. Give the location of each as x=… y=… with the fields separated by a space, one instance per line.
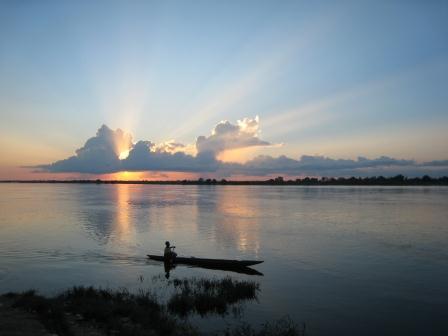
x=398 y=180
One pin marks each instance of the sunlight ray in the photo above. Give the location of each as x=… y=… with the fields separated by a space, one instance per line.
x=259 y=73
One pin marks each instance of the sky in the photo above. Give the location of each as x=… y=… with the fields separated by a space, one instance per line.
x=225 y=89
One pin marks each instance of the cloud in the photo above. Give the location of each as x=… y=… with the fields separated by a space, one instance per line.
x=318 y=165
x=142 y=158
x=440 y=163
x=229 y=136
x=107 y=140
x=169 y=147
x=101 y=154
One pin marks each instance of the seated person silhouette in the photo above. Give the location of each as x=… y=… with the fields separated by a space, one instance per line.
x=169 y=254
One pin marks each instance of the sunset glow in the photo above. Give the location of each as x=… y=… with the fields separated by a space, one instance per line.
x=134 y=99
x=212 y=167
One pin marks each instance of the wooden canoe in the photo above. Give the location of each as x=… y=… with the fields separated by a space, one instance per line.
x=209 y=262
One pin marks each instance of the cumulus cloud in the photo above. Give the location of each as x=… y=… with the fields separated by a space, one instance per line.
x=169 y=147
x=101 y=154
x=142 y=158
x=226 y=136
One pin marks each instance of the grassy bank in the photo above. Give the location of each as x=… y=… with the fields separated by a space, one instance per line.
x=119 y=312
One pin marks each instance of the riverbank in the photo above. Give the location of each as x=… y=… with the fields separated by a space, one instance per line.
x=18 y=322
x=92 y=311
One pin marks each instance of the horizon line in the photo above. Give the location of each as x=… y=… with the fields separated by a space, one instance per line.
x=279 y=180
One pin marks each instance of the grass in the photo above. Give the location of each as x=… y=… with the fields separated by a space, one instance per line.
x=204 y=296
x=114 y=312
x=120 y=312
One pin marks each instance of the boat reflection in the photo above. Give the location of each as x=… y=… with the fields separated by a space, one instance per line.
x=168 y=267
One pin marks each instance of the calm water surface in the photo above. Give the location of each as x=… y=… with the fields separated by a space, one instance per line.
x=345 y=260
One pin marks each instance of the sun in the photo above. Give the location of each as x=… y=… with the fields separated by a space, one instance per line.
x=123 y=155
x=124 y=175
x=127 y=176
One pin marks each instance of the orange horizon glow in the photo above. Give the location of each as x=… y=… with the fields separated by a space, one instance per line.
x=147 y=176
x=29 y=174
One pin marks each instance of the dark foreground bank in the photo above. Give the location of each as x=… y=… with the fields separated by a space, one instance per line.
x=92 y=311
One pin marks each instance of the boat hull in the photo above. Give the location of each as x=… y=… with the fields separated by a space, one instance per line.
x=209 y=262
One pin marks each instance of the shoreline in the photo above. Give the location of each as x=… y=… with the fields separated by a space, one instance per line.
x=90 y=311
x=398 y=180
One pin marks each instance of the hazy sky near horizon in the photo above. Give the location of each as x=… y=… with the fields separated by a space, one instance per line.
x=334 y=79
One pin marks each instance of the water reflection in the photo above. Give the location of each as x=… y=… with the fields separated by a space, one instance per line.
x=124 y=224
x=240 y=220
x=105 y=212
x=93 y=212
x=225 y=217
x=227 y=220
x=358 y=252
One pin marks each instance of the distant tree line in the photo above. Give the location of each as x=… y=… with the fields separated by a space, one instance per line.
x=375 y=180
x=398 y=180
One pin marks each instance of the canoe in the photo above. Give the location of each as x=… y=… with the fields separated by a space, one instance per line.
x=212 y=263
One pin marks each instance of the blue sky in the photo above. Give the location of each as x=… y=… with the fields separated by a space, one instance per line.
x=338 y=79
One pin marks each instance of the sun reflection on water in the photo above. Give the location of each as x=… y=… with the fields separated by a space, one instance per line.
x=124 y=228
x=240 y=222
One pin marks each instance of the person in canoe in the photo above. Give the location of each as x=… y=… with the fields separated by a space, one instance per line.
x=168 y=253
